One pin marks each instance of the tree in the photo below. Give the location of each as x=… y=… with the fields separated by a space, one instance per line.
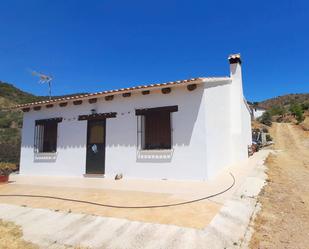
x=297 y=110
x=277 y=110
x=5 y=122
x=305 y=106
x=266 y=118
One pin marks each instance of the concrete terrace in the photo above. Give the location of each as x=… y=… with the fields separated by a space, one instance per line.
x=192 y=225
x=131 y=192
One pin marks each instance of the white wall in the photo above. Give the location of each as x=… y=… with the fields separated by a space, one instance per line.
x=246 y=120
x=223 y=146
x=240 y=117
x=71 y=154
x=218 y=127
x=257 y=112
x=188 y=158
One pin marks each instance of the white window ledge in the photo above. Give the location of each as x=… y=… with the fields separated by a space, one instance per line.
x=45 y=156
x=155 y=155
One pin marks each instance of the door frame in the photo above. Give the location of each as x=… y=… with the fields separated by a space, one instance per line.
x=104 y=141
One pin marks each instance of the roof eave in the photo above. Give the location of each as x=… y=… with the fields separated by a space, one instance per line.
x=124 y=90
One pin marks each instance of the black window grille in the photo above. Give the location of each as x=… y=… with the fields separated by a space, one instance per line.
x=45 y=135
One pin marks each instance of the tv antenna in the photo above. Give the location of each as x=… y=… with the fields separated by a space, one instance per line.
x=44 y=79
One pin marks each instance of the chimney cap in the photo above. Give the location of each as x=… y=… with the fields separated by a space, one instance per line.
x=234 y=58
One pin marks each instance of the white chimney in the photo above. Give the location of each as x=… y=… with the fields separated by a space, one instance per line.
x=235 y=70
x=236 y=96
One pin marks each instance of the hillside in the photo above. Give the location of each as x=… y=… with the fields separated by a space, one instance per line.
x=285 y=101
x=10 y=95
x=286 y=108
x=11 y=121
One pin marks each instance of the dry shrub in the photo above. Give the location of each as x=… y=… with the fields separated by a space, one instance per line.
x=305 y=124
x=7 y=168
x=11 y=237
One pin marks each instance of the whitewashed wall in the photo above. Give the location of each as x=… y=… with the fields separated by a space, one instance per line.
x=223 y=147
x=257 y=112
x=246 y=121
x=188 y=159
x=218 y=127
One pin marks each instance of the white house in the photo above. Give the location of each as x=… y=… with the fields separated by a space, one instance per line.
x=257 y=111
x=187 y=129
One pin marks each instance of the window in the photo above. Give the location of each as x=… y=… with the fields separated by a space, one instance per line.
x=45 y=137
x=155 y=127
x=157 y=131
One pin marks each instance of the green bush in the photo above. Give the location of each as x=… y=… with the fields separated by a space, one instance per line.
x=9 y=134
x=277 y=110
x=10 y=152
x=10 y=145
x=297 y=110
x=305 y=106
x=5 y=122
x=268 y=138
x=266 y=118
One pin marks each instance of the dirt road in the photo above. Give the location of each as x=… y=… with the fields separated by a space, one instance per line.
x=283 y=221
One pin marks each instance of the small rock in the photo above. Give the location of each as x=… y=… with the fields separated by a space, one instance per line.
x=118 y=176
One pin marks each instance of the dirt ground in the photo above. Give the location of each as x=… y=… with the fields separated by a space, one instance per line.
x=11 y=237
x=283 y=221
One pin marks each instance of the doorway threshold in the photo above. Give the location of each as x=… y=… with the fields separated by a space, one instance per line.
x=94 y=175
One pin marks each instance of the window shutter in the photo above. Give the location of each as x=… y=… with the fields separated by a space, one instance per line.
x=154 y=127
x=158 y=130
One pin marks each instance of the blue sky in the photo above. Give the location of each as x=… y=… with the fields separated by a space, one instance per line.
x=92 y=45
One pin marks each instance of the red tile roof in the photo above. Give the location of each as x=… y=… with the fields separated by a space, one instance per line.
x=123 y=90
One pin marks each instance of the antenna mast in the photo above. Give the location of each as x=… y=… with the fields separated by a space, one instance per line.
x=44 y=79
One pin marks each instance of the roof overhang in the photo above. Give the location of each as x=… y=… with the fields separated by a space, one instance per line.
x=134 y=89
